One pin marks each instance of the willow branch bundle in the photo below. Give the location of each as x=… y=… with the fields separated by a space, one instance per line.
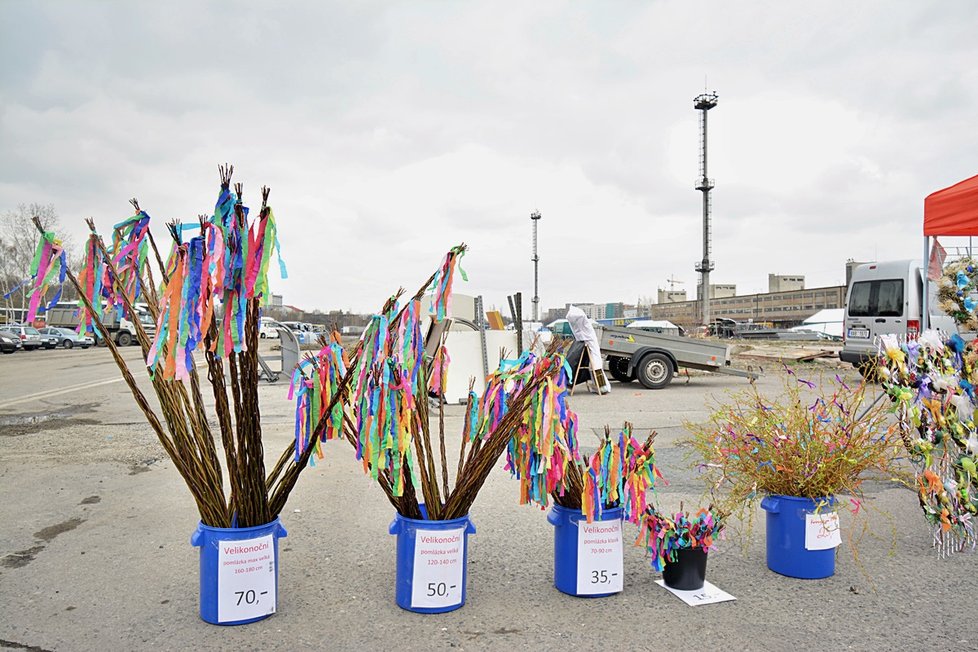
x=184 y=430
x=391 y=426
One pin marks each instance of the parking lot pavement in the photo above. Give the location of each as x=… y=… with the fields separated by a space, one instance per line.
x=94 y=550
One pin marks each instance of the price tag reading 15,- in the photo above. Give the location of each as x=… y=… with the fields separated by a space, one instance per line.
x=438 y=557
x=245 y=579
x=600 y=560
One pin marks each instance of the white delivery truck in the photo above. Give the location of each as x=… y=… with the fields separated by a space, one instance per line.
x=886 y=297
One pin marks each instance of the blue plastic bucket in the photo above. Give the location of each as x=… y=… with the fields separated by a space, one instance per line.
x=599 y=570
x=432 y=562
x=238 y=572
x=787 y=553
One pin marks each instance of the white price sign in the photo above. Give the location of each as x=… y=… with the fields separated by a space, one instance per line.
x=245 y=579
x=600 y=560
x=437 y=579
x=822 y=531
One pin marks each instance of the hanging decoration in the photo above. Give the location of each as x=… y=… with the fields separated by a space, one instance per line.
x=931 y=380
x=48 y=267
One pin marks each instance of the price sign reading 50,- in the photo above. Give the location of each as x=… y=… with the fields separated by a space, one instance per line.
x=438 y=558
x=600 y=560
x=245 y=579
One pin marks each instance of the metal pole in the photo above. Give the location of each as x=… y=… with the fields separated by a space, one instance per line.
x=535 y=217
x=925 y=313
x=704 y=103
x=706 y=234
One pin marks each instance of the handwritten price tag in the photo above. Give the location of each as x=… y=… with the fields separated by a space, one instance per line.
x=438 y=557
x=245 y=579
x=822 y=531
x=600 y=561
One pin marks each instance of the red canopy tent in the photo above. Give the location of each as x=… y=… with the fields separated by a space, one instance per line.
x=951 y=211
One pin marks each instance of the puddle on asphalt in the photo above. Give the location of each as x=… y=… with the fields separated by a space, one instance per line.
x=50 y=532
x=20 y=558
x=17 y=425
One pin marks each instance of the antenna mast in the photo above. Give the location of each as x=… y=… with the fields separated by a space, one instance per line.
x=704 y=184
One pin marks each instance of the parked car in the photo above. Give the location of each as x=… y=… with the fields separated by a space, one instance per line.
x=267 y=329
x=30 y=339
x=9 y=342
x=49 y=341
x=68 y=338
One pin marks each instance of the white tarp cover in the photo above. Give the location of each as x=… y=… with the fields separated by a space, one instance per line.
x=666 y=325
x=828 y=321
x=584 y=332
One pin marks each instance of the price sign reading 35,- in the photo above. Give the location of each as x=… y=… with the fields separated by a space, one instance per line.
x=245 y=579
x=600 y=560
x=438 y=557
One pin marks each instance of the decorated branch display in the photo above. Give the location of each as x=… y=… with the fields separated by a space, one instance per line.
x=663 y=536
x=620 y=473
x=207 y=301
x=387 y=382
x=932 y=382
x=956 y=292
x=815 y=441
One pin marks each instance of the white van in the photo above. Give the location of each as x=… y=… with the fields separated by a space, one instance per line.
x=886 y=297
x=267 y=329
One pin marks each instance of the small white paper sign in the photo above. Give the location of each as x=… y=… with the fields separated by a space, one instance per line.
x=600 y=560
x=437 y=578
x=822 y=531
x=709 y=594
x=245 y=579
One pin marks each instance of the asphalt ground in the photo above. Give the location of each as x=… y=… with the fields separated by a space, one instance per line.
x=95 y=554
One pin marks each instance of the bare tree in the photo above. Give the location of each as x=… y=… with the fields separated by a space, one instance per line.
x=18 y=241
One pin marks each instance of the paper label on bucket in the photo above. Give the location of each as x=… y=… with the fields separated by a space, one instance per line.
x=600 y=560
x=245 y=579
x=438 y=559
x=822 y=531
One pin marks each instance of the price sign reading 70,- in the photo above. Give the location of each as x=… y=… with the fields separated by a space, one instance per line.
x=438 y=558
x=600 y=560
x=245 y=579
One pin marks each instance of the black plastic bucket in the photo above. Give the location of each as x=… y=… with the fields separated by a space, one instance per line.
x=688 y=572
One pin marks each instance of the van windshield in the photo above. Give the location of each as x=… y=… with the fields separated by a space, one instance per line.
x=883 y=298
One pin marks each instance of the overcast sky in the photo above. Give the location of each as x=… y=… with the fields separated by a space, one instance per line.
x=389 y=131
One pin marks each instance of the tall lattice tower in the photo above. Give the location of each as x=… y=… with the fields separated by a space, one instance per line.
x=535 y=217
x=703 y=103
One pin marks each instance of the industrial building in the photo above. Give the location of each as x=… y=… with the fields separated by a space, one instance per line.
x=781 y=309
x=784 y=283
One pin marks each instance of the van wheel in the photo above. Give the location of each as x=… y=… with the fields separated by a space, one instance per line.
x=261 y=335
x=618 y=368
x=123 y=339
x=654 y=371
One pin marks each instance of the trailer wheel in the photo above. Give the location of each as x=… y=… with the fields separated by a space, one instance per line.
x=618 y=368
x=123 y=338
x=654 y=370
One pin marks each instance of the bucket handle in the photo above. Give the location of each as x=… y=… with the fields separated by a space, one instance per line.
x=771 y=504
x=553 y=518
